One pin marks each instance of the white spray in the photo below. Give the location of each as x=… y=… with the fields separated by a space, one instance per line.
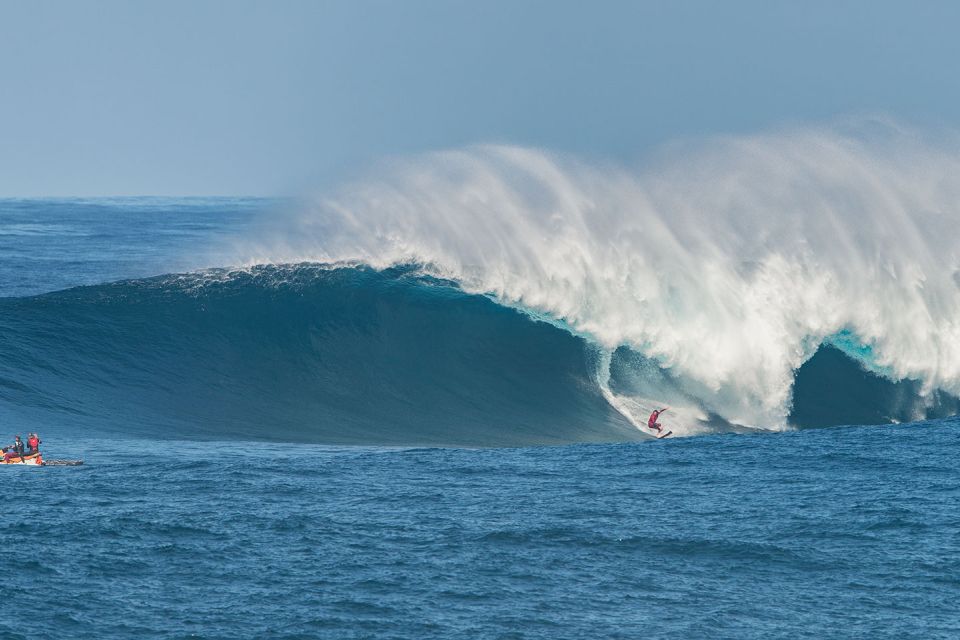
x=727 y=263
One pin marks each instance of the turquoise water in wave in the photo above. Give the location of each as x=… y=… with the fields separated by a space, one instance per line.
x=839 y=533
x=237 y=485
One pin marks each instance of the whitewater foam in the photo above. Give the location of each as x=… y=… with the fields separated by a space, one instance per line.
x=726 y=263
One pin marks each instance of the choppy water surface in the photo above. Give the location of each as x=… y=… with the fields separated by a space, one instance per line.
x=239 y=482
x=843 y=532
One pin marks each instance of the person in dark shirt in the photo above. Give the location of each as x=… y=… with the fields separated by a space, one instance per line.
x=15 y=450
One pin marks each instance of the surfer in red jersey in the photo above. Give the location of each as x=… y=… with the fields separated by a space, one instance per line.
x=652 y=421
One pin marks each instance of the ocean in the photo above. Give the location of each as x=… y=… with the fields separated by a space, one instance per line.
x=299 y=423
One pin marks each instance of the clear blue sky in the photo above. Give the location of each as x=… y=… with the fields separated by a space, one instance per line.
x=268 y=98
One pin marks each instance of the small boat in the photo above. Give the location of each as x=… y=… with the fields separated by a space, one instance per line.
x=35 y=459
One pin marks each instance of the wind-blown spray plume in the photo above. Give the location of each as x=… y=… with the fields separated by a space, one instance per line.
x=726 y=265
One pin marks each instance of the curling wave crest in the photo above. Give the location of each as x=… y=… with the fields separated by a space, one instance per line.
x=724 y=265
x=350 y=355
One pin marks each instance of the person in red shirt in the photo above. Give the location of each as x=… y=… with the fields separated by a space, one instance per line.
x=652 y=421
x=33 y=443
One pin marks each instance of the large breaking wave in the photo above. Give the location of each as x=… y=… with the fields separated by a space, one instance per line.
x=725 y=266
x=501 y=295
x=352 y=355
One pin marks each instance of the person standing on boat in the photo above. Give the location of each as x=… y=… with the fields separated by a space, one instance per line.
x=33 y=444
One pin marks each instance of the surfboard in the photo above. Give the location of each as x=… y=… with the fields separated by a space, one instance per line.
x=660 y=436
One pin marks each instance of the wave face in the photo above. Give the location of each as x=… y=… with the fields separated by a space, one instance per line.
x=724 y=267
x=303 y=353
x=352 y=355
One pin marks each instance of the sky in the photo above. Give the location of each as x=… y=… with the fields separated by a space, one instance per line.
x=207 y=97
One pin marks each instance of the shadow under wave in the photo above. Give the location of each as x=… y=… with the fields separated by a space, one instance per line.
x=833 y=389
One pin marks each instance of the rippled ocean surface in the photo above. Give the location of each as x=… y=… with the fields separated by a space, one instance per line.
x=214 y=504
x=841 y=532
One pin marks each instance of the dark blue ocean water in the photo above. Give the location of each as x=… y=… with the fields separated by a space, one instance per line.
x=47 y=245
x=840 y=532
x=236 y=482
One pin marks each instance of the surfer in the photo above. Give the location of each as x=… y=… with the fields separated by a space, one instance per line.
x=652 y=421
